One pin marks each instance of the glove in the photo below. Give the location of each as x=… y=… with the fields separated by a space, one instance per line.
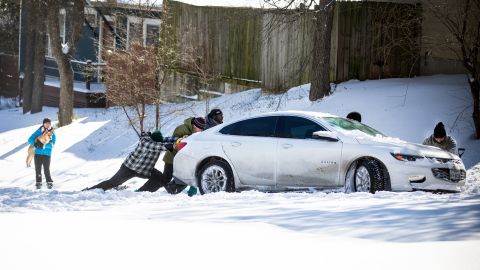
x=179 y=140
x=169 y=146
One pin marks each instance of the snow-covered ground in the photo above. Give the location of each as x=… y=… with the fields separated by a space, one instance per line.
x=68 y=229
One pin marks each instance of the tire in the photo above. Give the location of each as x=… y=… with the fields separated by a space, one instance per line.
x=370 y=177
x=215 y=176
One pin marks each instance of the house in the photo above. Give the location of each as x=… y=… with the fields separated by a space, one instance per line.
x=108 y=26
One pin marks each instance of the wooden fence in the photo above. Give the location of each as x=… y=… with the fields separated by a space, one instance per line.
x=370 y=40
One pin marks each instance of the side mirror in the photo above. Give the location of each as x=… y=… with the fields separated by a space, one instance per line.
x=325 y=135
x=461 y=151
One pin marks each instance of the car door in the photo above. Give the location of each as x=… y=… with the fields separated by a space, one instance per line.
x=250 y=145
x=302 y=160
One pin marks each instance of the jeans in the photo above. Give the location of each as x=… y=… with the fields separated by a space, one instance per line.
x=152 y=185
x=124 y=174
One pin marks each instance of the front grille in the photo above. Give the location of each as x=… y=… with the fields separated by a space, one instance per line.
x=449 y=175
x=440 y=160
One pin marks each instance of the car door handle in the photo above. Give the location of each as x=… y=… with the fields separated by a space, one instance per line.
x=235 y=144
x=287 y=145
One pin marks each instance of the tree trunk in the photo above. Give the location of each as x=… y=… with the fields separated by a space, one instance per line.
x=29 y=56
x=157 y=116
x=142 y=118
x=320 y=66
x=475 y=89
x=65 y=106
x=39 y=61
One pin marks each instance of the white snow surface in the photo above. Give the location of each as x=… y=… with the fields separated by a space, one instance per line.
x=68 y=229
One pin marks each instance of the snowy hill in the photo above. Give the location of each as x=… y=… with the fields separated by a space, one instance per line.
x=93 y=147
x=415 y=230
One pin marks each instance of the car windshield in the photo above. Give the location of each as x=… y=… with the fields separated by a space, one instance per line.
x=349 y=125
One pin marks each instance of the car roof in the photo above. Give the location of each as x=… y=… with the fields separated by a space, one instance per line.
x=278 y=113
x=296 y=113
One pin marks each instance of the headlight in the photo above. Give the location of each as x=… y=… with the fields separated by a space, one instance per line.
x=403 y=157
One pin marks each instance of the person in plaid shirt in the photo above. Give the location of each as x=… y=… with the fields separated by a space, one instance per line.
x=141 y=163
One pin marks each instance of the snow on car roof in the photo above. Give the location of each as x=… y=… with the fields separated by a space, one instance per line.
x=305 y=113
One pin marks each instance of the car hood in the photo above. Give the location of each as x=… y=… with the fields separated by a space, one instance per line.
x=398 y=146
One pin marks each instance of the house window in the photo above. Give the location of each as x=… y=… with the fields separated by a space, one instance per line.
x=121 y=32
x=134 y=33
x=152 y=33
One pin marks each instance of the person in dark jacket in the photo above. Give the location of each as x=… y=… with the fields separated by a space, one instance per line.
x=440 y=139
x=213 y=118
x=141 y=163
x=43 y=154
x=355 y=116
x=88 y=73
x=189 y=126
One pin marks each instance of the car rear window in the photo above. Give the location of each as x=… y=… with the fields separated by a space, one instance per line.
x=258 y=127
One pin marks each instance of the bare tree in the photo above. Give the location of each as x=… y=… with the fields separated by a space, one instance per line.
x=130 y=81
x=166 y=58
x=320 y=73
x=462 y=21
x=39 y=58
x=397 y=30
x=322 y=11
x=29 y=59
x=64 y=52
x=34 y=58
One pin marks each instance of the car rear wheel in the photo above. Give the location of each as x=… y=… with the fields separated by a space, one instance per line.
x=216 y=176
x=370 y=177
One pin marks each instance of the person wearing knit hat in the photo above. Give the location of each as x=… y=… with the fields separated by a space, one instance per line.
x=213 y=118
x=355 y=116
x=440 y=139
x=141 y=163
x=43 y=153
x=190 y=125
x=199 y=123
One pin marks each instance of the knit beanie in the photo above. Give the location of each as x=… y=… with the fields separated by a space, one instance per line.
x=157 y=136
x=439 y=131
x=214 y=113
x=199 y=122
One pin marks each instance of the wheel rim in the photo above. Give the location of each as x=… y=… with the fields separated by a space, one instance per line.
x=214 y=179
x=362 y=180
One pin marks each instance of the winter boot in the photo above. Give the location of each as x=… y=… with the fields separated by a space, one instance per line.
x=192 y=191
x=174 y=188
x=122 y=187
x=49 y=185
x=38 y=185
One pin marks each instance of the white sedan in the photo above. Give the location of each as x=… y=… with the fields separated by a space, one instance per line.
x=295 y=150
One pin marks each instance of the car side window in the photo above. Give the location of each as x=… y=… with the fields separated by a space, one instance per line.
x=294 y=127
x=258 y=127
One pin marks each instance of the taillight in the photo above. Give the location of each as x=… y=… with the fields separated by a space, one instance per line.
x=180 y=145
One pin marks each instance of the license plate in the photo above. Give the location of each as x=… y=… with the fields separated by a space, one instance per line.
x=456 y=175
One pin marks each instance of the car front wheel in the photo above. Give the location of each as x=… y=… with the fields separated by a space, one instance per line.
x=370 y=177
x=216 y=176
